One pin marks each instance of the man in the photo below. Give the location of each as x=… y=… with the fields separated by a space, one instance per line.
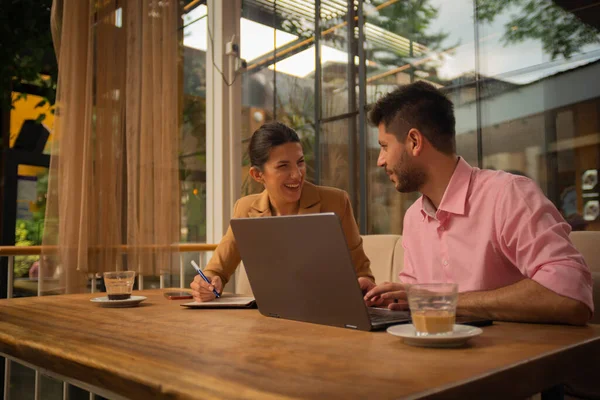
x=493 y=233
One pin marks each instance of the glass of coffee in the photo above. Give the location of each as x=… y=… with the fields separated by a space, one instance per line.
x=433 y=307
x=119 y=284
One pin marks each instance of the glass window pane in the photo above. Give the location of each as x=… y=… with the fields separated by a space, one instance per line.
x=540 y=111
x=278 y=42
x=408 y=41
x=192 y=158
x=338 y=81
x=385 y=206
x=524 y=41
x=334 y=153
x=32 y=186
x=257 y=45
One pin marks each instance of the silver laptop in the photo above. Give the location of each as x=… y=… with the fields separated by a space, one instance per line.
x=299 y=268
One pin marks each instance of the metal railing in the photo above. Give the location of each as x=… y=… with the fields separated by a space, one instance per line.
x=11 y=251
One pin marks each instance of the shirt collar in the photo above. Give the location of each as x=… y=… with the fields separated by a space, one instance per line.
x=309 y=202
x=455 y=197
x=427 y=208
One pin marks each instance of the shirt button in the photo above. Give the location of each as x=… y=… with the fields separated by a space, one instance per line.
x=445 y=262
x=441 y=228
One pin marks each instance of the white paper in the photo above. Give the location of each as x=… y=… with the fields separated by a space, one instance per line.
x=222 y=301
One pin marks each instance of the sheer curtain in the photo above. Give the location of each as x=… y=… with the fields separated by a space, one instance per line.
x=114 y=166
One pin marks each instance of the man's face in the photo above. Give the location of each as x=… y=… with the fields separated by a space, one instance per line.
x=398 y=163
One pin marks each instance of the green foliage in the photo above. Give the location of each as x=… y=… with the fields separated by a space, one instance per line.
x=26 y=48
x=26 y=51
x=560 y=32
x=192 y=189
x=30 y=232
x=25 y=233
x=196 y=213
x=40 y=202
x=411 y=19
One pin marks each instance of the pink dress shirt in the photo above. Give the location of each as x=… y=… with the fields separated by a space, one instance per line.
x=492 y=229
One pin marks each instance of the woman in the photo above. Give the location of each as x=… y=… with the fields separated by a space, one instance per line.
x=277 y=162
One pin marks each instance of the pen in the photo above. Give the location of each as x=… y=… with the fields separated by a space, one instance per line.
x=199 y=271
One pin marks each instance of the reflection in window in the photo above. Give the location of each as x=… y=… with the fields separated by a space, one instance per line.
x=409 y=41
x=278 y=43
x=192 y=153
x=541 y=101
x=522 y=76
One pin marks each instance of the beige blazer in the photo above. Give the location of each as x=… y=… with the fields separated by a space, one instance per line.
x=314 y=199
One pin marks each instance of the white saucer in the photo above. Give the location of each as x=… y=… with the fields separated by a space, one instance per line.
x=460 y=335
x=133 y=301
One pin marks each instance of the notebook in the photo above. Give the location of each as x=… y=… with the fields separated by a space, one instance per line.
x=226 y=300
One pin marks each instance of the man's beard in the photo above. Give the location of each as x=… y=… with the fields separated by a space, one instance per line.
x=409 y=178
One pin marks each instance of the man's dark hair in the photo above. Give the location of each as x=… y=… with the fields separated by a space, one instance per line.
x=266 y=137
x=418 y=105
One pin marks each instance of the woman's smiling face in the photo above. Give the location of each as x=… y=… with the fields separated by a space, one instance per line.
x=283 y=173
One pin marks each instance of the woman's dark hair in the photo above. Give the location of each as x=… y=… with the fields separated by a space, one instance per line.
x=266 y=137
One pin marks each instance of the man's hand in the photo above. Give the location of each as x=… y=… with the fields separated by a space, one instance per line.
x=202 y=291
x=392 y=295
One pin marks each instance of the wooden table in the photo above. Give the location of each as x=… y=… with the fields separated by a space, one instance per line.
x=163 y=350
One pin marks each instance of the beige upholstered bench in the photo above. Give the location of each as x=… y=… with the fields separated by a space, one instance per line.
x=384 y=251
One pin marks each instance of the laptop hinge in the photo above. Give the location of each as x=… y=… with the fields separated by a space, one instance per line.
x=273 y=315
x=351 y=326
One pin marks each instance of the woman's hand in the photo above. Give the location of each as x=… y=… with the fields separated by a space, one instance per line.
x=203 y=291
x=365 y=284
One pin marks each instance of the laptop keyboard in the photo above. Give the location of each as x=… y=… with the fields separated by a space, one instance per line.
x=379 y=315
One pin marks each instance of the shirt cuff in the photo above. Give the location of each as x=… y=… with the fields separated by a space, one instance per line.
x=567 y=280
x=210 y=273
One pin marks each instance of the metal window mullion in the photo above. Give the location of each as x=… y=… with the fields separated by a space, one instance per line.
x=181 y=271
x=7 y=374
x=10 y=279
x=351 y=79
x=274 y=60
x=317 y=148
x=40 y=279
x=339 y=117
x=362 y=121
x=37 y=386
x=478 y=89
